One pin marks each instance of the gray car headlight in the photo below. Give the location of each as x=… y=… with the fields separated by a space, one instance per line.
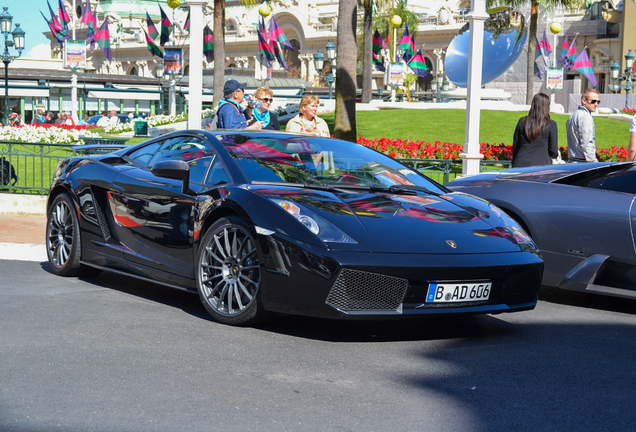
x=322 y=228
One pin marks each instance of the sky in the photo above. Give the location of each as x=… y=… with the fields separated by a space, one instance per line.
x=36 y=45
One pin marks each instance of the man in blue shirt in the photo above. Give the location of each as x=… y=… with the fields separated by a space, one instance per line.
x=230 y=114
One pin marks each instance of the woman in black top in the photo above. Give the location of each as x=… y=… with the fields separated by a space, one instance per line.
x=261 y=112
x=536 y=138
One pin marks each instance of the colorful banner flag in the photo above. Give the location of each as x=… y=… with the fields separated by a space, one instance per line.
x=407 y=44
x=166 y=24
x=546 y=49
x=54 y=20
x=102 y=38
x=266 y=49
x=378 y=46
x=186 y=25
x=208 y=44
x=388 y=34
x=537 y=54
x=583 y=66
x=88 y=18
x=53 y=29
x=63 y=14
x=152 y=30
x=152 y=47
x=564 y=49
x=418 y=64
x=278 y=53
x=571 y=55
x=276 y=33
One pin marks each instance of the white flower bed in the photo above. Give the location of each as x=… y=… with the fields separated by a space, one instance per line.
x=157 y=120
x=52 y=135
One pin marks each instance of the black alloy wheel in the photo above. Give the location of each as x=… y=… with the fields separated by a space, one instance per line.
x=228 y=273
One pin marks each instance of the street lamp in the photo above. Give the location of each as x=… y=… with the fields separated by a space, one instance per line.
x=18 y=44
x=628 y=76
x=319 y=62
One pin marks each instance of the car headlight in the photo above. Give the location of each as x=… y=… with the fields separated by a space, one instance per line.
x=513 y=232
x=325 y=230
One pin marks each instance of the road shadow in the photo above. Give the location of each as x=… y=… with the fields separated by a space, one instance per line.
x=587 y=300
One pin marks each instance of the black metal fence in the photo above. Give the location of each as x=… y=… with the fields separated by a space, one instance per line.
x=34 y=165
x=29 y=167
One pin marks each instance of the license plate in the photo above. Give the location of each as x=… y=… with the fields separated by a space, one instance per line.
x=458 y=292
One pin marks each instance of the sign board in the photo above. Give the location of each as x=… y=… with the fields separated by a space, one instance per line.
x=554 y=78
x=172 y=61
x=397 y=74
x=74 y=54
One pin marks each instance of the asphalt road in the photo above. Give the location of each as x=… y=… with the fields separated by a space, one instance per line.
x=115 y=354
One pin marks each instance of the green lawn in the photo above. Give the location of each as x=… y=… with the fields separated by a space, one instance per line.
x=448 y=125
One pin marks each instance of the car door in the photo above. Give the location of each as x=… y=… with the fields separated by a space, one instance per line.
x=155 y=219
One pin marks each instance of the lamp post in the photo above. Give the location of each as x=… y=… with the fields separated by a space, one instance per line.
x=439 y=84
x=628 y=77
x=18 y=44
x=319 y=62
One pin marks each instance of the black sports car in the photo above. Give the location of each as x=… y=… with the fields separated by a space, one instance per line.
x=261 y=222
x=582 y=217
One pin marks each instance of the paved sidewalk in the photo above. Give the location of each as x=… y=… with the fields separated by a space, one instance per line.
x=22 y=237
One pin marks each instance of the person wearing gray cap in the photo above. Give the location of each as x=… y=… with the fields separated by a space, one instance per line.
x=230 y=114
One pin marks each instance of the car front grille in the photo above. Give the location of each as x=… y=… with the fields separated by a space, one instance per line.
x=358 y=292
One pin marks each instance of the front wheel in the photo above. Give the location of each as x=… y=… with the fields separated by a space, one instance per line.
x=228 y=273
x=63 y=237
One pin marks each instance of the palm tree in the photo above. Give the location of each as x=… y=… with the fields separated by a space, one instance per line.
x=367 y=60
x=219 y=46
x=345 y=115
x=219 y=50
x=532 y=37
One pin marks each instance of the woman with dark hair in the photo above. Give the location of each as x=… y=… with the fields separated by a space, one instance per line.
x=536 y=138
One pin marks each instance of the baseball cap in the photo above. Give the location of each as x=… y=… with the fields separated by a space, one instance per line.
x=233 y=85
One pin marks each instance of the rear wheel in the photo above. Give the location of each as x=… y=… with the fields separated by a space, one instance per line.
x=63 y=237
x=228 y=273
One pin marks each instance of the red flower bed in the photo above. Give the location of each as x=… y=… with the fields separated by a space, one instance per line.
x=60 y=126
x=408 y=149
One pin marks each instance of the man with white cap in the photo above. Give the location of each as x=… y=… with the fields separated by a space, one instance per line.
x=230 y=114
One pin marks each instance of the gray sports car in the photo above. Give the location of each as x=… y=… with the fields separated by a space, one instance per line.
x=581 y=216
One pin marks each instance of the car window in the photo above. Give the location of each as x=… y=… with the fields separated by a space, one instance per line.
x=217 y=175
x=623 y=181
x=318 y=161
x=143 y=155
x=196 y=152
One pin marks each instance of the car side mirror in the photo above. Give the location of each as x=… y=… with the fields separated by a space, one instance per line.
x=173 y=169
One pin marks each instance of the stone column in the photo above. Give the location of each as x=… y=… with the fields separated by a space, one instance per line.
x=195 y=88
x=471 y=156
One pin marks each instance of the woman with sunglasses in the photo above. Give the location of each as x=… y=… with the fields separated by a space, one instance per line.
x=536 y=138
x=261 y=111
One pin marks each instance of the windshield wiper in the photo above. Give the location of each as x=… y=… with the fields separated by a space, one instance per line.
x=412 y=188
x=326 y=188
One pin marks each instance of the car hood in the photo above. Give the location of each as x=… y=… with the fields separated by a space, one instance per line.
x=396 y=223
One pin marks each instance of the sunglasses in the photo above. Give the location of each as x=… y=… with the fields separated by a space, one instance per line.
x=593 y=101
x=267 y=100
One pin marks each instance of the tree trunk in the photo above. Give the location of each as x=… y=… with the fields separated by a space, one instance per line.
x=367 y=62
x=219 y=50
x=532 y=48
x=345 y=115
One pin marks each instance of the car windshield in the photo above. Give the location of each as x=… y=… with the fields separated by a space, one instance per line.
x=319 y=162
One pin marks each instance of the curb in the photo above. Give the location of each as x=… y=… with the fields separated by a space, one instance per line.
x=23 y=204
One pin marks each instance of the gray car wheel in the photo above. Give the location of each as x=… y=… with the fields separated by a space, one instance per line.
x=228 y=273
x=63 y=237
